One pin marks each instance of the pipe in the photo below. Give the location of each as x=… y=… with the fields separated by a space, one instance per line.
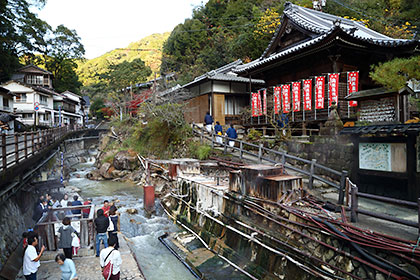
x=362 y=252
x=178 y=256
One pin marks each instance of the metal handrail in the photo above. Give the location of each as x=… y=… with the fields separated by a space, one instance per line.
x=284 y=156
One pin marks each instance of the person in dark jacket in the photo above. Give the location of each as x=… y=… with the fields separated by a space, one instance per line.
x=208 y=121
x=231 y=133
x=101 y=224
x=113 y=216
x=65 y=235
x=40 y=209
x=76 y=202
x=218 y=129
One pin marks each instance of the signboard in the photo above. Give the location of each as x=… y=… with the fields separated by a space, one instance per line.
x=264 y=102
x=307 y=95
x=375 y=156
x=36 y=106
x=319 y=92
x=277 y=99
x=254 y=104
x=285 y=95
x=296 y=96
x=353 y=85
x=333 y=88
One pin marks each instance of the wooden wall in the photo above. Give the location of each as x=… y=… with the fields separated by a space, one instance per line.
x=197 y=108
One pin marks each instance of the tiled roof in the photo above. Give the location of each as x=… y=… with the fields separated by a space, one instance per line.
x=321 y=25
x=224 y=73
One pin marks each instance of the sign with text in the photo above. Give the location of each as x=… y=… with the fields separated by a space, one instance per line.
x=353 y=85
x=264 y=92
x=296 y=96
x=333 y=88
x=285 y=95
x=319 y=92
x=277 y=99
x=254 y=104
x=307 y=95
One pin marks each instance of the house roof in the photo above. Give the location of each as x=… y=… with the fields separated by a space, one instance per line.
x=375 y=92
x=320 y=26
x=17 y=87
x=224 y=73
x=27 y=67
x=382 y=129
x=7 y=91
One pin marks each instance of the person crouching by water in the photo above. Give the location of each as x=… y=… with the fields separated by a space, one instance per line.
x=113 y=256
x=65 y=235
x=218 y=129
x=231 y=133
x=208 y=121
x=31 y=257
x=68 y=269
x=115 y=227
x=101 y=224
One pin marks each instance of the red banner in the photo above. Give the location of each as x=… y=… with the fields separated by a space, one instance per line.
x=259 y=104
x=333 y=88
x=296 y=96
x=307 y=95
x=277 y=100
x=285 y=95
x=353 y=85
x=254 y=104
x=264 y=102
x=319 y=92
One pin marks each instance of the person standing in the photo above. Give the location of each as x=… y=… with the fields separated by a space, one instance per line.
x=231 y=133
x=67 y=267
x=106 y=208
x=113 y=256
x=101 y=224
x=65 y=235
x=114 y=219
x=40 y=210
x=208 y=121
x=64 y=201
x=218 y=129
x=86 y=211
x=31 y=257
x=76 y=202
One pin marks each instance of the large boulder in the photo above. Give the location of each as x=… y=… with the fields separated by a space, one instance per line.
x=104 y=170
x=125 y=160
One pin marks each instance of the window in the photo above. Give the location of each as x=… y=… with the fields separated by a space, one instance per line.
x=5 y=102
x=235 y=104
x=21 y=98
x=43 y=100
x=27 y=115
x=35 y=79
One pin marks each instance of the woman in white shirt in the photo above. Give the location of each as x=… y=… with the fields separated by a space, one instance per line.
x=31 y=258
x=110 y=254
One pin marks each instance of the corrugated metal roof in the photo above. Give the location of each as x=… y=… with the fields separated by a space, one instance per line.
x=382 y=129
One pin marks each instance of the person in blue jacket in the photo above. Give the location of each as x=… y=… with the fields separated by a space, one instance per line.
x=208 y=121
x=231 y=133
x=218 y=129
x=283 y=123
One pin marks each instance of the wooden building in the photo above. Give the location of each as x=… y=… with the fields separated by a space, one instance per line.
x=387 y=148
x=310 y=43
x=220 y=92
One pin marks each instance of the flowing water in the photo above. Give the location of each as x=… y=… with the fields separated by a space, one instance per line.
x=155 y=259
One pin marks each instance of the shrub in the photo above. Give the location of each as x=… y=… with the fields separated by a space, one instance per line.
x=202 y=152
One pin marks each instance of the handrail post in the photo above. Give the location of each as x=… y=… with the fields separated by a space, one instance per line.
x=201 y=137
x=3 y=150
x=212 y=140
x=16 y=137
x=33 y=142
x=225 y=148
x=344 y=174
x=25 y=139
x=354 y=204
x=311 y=175
x=260 y=153
x=418 y=216
x=283 y=159
x=241 y=146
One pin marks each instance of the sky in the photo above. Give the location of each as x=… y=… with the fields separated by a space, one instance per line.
x=104 y=25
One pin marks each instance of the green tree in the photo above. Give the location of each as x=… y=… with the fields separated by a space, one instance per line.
x=96 y=108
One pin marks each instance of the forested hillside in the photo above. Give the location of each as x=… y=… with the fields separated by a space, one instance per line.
x=92 y=73
x=222 y=31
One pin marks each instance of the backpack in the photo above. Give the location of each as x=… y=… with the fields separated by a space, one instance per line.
x=107 y=270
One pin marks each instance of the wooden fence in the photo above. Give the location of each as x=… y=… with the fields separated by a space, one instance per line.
x=21 y=146
x=249 y=148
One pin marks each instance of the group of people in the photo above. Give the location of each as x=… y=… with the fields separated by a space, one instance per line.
x=218 y=129
x=107 y=225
